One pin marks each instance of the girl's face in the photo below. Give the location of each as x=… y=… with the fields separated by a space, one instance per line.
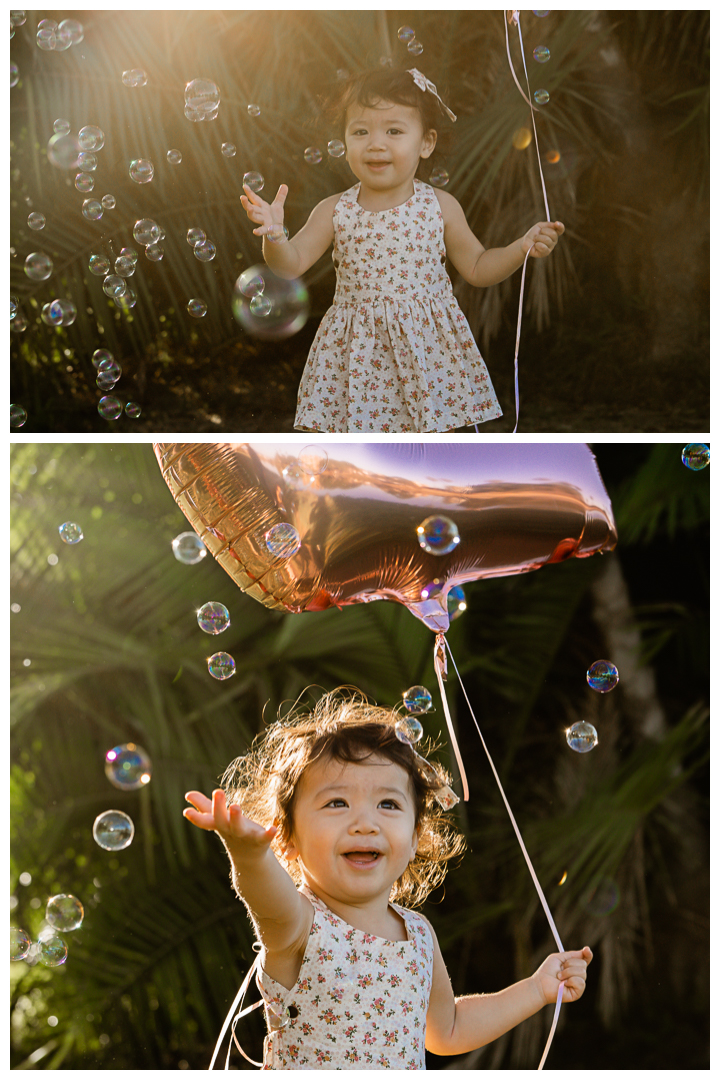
x=354 y=828
x=384 y=144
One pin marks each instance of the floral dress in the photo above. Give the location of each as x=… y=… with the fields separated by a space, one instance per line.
x=359 y=1001
x=394 y=352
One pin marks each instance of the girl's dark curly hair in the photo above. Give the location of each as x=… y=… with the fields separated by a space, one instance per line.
x=396 y=85
x=343 y=726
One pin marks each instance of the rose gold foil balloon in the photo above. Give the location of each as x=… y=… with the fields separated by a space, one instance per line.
x=516 y=508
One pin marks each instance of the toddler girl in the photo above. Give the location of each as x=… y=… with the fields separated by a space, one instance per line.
x=394 y=352
x=330 y=822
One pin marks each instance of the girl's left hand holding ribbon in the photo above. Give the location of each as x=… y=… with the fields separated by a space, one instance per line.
x=540 y=241
x=567 y=967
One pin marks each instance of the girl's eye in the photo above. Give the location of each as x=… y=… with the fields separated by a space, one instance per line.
x=389 y=803
x=336 y=802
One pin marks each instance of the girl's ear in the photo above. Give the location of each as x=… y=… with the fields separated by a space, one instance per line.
x=429 y=142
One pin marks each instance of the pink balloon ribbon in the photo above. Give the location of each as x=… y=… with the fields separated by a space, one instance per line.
x=538 y=887
x=516 y=20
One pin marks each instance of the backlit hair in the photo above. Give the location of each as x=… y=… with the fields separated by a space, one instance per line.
x=343 y=726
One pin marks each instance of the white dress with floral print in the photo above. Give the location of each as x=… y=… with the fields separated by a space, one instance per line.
x=394 y=352
x=359 y=1002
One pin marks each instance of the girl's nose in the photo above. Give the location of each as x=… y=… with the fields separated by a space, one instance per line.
x=364 y=823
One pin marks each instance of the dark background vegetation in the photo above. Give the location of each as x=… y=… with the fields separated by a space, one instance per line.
x=115 y=655
x=616 y=330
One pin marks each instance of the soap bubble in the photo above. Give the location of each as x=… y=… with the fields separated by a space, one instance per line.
x=64 y=912
x=313 y=155
x=59 y=313
x=20 y=943
x=141 y=171
x=52 y=950
x=604 y=898
x=87 y=162
x=127 y=301
x=133 y=410
x=154 y=252
x=408 y=730
x=174 y=157
x=100 y=356
x=18 y=18
x=541 y=97
x=254 y=110
x=438 y=535
x=405 y=34
x=108 y=202
x=113 y=830
x=146 y=231
x=204 y=251
x=439 y=177
x=70 y=533
x=221 y=665
x=128 y=767
x=106 y=380
x=99 y=265
x=113 y=285
x=289 y=304
x=38 y=266
x=313 y=460
x=109 y=407
x=417 y=700
x=696 y=456
x=130 y=254
x=61 y=127
x=92 y=210
x=74 y=29
x=188 y=548
x=45 y=36
x=415 y=48
x=135 y=77
x=18 y=416
x=91 y=138
x=195 y=236
x=602 y=676
x=213 y=617
x=13 y=306
x=251 y=284
x=254 y=180
x=197 y=308
x=336 y=148
x=14 y=75
x=260 y=306
x=124 y=267
x=36 y=221
x=84 y=182
x=202 y=100
x=63 y=151
x=540 y=14
x=51 y=314
x=228 y=149
x=282 y=540
x=541 y=53
x=581 y=737
x=456 y=602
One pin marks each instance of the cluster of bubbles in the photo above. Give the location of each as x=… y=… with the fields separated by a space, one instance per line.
x=70 y=532
x=267 y=306
x=188 y=548
x=149 y=234
x=62 y=912
x=128 y=767
x=135 y=77
x=203 y=249
x=202 y=100
x=438 y=535
x=418 y=701
x=54 y=37
x=696 y=456
x=108 y=374
x=602 y=676
x=406 y=34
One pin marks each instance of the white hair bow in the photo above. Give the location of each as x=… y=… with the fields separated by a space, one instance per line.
x=425 y=84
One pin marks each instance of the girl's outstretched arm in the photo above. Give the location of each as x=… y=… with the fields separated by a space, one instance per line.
x=290 y=258
x=487 y=266
x=282 y=916
x=458 y=1025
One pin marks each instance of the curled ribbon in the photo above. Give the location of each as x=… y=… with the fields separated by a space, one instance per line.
x=424 y=83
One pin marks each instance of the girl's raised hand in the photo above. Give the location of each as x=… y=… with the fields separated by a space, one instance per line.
x=269 y=216
x=567 y=967
x=228 y=821
x=540 y=241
